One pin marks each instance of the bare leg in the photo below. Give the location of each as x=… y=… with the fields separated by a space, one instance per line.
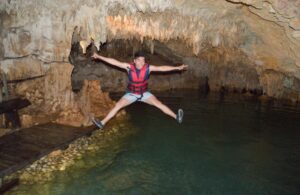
x=123 y=102
x=155 y=102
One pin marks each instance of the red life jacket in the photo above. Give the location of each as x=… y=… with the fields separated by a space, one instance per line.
x=138 y=84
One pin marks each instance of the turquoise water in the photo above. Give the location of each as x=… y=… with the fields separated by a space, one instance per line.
x=225 y=146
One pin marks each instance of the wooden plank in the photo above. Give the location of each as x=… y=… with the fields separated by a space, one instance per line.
x=7 y=186
x=23 y=147
x=2 y=166
x=21 y=151
x=13 y=104
x=15 y=158
x=6 y=163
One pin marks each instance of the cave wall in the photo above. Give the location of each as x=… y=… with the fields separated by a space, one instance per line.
x=240 y=45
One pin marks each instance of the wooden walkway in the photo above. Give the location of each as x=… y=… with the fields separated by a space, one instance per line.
x=25 y=146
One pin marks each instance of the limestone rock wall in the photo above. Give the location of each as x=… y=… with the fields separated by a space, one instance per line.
x=285 y=13
x=53 y=100
x=238 y=44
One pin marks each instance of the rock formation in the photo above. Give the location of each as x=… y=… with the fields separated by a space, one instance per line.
x=240 y=45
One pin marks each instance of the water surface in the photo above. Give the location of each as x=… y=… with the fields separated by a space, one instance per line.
x=224 y=146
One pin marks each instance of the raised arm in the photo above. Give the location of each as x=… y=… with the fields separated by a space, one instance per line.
x=167 y=68
x=112 y=61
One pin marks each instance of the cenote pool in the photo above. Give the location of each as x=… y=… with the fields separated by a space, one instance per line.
x=225 y=145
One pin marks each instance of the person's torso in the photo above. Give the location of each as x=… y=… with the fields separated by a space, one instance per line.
x=138 y=75
x=138 y=79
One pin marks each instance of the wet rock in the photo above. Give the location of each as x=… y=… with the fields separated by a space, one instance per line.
x=25 y=176
x=91 y=101
x=26 y=120
x=62 y=167
x=55 y=153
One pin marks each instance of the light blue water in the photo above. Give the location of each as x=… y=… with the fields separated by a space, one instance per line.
x=228 y=146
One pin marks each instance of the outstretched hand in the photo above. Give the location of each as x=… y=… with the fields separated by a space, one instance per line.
x=182 y=67
x=95 y=56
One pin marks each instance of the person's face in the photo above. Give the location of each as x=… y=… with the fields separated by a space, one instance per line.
x=139 y=61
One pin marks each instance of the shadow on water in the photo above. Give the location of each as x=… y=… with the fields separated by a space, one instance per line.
x=224 y=146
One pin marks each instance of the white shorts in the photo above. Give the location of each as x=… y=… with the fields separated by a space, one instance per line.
x=131 y=97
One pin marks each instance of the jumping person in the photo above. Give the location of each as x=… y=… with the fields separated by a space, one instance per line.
x=137 y=89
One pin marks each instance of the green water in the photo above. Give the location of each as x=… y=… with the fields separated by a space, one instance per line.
x=224 y=146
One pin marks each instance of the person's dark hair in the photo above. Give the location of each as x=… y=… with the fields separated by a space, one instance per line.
x=139 y=54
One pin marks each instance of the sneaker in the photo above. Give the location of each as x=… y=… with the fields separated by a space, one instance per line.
x=98 y=123
x=179 y=116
